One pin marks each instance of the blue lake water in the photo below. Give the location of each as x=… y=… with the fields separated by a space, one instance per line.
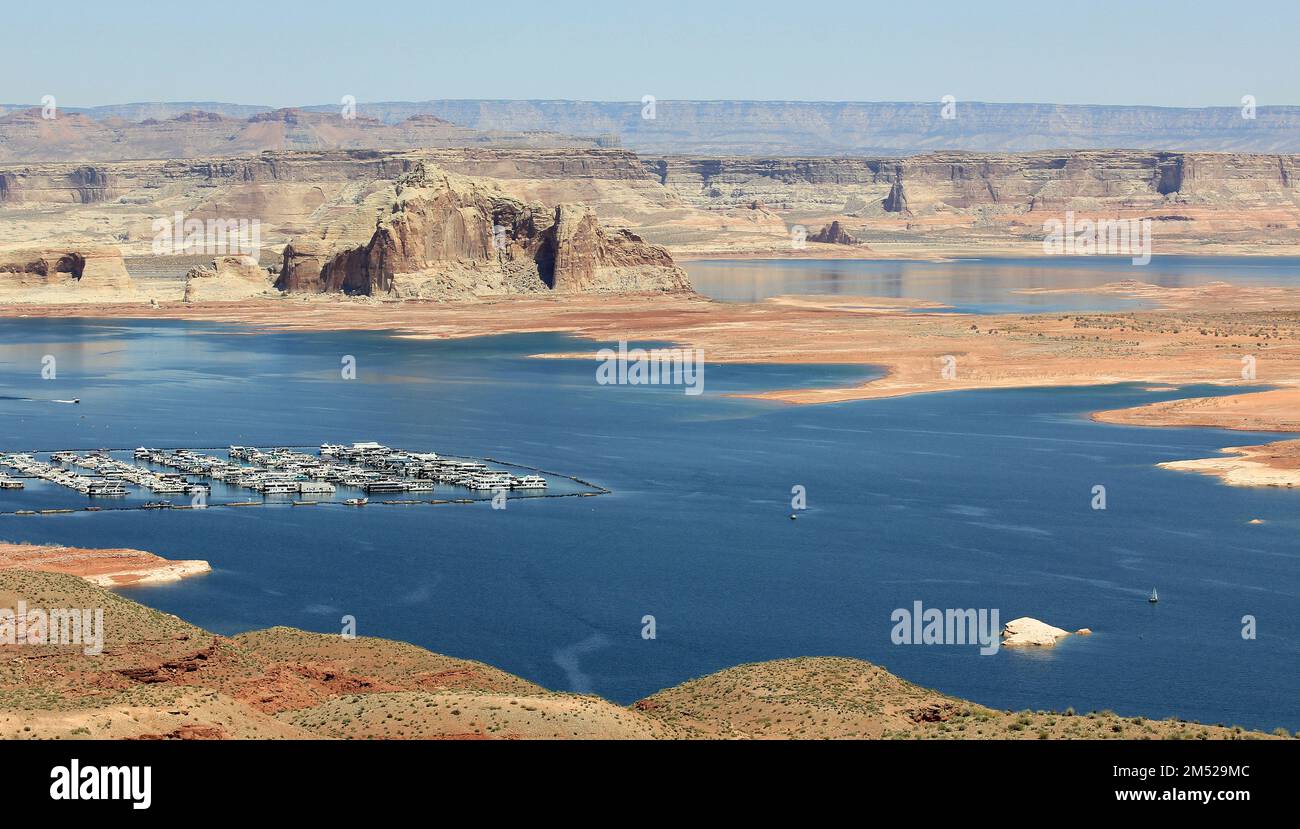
x=958 y=500
x=983 y=286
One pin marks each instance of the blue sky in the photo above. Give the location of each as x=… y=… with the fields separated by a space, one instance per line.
x=279 y=54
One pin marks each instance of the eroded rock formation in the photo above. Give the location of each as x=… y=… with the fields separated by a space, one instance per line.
x=833 y=234
x=448 y=236
x=227 y=278
x=77 y=271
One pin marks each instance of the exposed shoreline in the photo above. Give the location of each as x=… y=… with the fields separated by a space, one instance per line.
x=1270 y=464
x=102 y=567
x=1175 y=345
x=159 y=677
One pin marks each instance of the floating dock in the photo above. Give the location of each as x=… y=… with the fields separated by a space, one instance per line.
x=310 y=477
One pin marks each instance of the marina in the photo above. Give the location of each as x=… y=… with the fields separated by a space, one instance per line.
x=285 y=475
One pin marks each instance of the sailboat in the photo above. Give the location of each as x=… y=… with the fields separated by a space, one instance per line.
x=1153 y=598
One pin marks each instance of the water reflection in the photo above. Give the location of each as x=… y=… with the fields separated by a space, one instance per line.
x=983 y=286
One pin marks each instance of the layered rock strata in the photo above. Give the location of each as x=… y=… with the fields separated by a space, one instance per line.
x=71 y=272
x=447 y=236
x=227 y=279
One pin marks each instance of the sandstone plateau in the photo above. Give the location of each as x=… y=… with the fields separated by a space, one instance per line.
x=949 y=203
x=27 y=136
x=728 y=127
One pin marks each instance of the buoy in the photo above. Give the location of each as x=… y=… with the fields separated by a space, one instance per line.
x=794 y=517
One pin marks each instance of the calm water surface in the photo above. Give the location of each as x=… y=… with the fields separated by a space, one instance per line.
x=984 y=286
x=973 y=499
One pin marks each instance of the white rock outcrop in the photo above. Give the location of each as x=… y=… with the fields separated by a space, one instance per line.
x=1027 y=633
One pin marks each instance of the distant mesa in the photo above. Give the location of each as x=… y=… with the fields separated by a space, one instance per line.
x=427 y=120
x=26 y=136
x=799 y=128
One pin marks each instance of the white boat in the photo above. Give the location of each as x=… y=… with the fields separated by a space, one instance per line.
x=1153 y=598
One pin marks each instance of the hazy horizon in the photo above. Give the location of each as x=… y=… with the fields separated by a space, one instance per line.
x=1116 y=55
x=629 y=102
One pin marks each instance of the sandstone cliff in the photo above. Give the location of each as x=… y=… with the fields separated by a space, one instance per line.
x=961 y=201
x=448 y=236
x=962 y=181
x=227 y=279
x=325 y=201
